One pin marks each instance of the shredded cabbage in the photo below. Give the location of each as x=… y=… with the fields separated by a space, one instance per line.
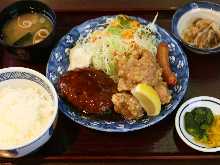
x=146 y=38
x=102 y=51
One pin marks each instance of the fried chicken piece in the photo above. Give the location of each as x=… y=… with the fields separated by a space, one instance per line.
x=140 y=67
x=127 y=105
x=163 y=92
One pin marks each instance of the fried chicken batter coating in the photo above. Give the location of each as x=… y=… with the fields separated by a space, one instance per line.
x=127 y=105
x=141 y=67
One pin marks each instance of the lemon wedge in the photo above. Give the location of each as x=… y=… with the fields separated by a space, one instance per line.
x=148 y=98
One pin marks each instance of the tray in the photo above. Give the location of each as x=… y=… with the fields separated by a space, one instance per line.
x=72 y=142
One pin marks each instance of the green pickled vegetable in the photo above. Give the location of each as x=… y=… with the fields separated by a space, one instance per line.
x=198 y=121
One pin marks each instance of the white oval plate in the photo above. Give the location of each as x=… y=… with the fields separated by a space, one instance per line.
x=202 y=101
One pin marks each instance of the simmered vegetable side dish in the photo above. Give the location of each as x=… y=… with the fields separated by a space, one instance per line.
x=130 y=54
x=203 y=33
x=203 y=126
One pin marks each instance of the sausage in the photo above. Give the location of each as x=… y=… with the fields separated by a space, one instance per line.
x=163 y=60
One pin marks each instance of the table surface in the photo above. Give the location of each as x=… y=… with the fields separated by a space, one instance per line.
x=159 y=143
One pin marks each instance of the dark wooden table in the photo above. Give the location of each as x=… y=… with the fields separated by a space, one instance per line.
x=157 y=144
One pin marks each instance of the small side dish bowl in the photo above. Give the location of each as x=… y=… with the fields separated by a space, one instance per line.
x=187 y=15
x=16 y=75
x=202 y=101
x=28 y=28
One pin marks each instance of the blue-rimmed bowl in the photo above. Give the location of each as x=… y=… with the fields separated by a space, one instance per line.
x=188 y=106
x=59 y=62
x=187 y=14
x=35 y=52
x=14 y=73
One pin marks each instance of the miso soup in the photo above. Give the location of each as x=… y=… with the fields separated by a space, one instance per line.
x=27 y=29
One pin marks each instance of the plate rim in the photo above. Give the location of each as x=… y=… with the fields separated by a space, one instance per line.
x=174 y=106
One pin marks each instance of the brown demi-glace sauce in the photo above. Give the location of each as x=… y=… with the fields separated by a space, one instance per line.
x=88 y=89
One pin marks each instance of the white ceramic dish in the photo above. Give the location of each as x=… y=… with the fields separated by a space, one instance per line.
x=190 y=12
x=200 y=13
x=15 y=73
x=202 y=101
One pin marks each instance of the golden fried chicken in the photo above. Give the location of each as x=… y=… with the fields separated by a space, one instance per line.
x=141 y=67
x=163 y=92
x=127 y=105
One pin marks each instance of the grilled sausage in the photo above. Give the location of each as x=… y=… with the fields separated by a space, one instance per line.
x=163 y=60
